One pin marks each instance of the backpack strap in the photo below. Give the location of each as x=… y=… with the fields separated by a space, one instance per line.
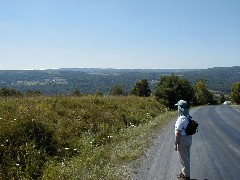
x=188 y=118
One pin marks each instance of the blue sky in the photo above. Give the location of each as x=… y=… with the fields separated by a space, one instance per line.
x=119 y=34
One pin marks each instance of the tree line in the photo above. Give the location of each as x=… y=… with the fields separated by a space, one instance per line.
x=168 y=90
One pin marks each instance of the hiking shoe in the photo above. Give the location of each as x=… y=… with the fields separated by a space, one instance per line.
x=181 y=175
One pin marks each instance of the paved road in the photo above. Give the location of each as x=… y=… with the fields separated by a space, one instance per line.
x=215 y=153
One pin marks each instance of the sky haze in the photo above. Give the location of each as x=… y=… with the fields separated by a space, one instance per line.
x=140 y=34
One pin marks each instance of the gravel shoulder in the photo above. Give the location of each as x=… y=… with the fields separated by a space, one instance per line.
x=159 y=158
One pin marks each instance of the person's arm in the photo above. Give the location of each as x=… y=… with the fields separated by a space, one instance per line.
x=177 y=138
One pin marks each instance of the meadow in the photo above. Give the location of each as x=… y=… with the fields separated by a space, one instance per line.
x=76 y=137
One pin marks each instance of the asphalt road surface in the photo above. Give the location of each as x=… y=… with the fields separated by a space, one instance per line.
x=215 y=152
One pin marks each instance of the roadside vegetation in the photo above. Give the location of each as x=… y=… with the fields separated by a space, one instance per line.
x=86 y=137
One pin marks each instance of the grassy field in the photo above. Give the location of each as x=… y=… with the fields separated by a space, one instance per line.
x=86 y=137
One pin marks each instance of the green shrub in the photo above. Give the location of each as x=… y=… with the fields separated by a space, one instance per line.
x=7 y=92
x=25 y=148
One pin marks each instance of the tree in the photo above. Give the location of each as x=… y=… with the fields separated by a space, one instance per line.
x=99 y=93
x=117 y=90
x=141 y=88
x=222 y=98
x=235 y=93
x=202 y=94
x=76 y=92
x=33 y=93
x=9 y=92
x=171 y=89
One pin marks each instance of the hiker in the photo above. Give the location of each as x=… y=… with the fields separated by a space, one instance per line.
x=183 y=141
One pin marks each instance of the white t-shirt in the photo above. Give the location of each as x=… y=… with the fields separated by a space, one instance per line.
x=181 y=124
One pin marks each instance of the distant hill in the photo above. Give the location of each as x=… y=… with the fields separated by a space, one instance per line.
x=92 y=80
x=217 y=79
x=112 y=70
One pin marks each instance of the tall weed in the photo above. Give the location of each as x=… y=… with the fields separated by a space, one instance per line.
x=70 y=137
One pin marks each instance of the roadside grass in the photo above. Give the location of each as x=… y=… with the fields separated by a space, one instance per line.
x=236 y=106
x=87 y=137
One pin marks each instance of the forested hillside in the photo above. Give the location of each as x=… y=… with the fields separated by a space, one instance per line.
x=217 y=79
x=90 y=80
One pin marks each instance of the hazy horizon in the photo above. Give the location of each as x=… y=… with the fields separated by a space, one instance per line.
x=118 y=68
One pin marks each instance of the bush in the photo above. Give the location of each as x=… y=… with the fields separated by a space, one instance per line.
x=6 y=92
x=25 y=149
x=235 y=93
